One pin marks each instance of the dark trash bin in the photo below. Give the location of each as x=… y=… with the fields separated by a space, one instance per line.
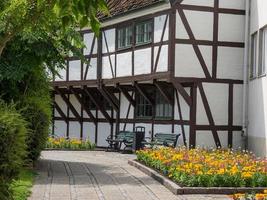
x=139 y=136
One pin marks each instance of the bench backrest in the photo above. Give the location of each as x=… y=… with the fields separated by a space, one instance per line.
x=170 y=139
x=125 y=135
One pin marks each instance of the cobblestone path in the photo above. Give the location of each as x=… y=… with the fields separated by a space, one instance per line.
x=97 y=176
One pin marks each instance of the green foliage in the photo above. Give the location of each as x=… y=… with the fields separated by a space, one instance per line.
x=12 y=145
x=17 y=16
x=73 y=144
x=21 y=188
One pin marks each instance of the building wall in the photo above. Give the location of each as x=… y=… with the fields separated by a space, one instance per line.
x=223 y=90
x=257 y=100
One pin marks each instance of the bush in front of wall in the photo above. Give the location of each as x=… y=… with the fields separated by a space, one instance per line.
x=12 y=146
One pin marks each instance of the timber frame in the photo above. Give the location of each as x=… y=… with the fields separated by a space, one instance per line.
x=112 y=89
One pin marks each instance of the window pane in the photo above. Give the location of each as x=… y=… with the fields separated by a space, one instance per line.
x=125 y=36
x=143 y=32
x=264 y=51
x=253 y=55
x=163 y=108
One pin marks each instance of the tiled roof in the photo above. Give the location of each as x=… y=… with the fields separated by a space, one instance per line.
x=118 y=7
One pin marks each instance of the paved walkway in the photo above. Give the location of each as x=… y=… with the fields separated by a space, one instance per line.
x=97 y=176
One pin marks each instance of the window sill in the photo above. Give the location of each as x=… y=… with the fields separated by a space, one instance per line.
x=262 y=75
x=143 y=43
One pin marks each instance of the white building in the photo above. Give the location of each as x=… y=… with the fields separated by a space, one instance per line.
x=175 y=66
x=257 y=81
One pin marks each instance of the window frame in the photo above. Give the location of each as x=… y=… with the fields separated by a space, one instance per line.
x=161 y=101
x=150 y=22
x=262 y=66
x=118 y=29
x=254 y=55
x=133 y=26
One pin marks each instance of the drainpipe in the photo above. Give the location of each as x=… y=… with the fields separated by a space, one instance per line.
x=245 y=77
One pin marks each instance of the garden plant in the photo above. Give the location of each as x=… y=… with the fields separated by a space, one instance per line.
x=207 y=167
x=73 y=144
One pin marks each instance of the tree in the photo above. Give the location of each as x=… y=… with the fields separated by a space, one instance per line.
x=17 y=16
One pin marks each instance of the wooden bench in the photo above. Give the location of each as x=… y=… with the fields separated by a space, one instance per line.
x=163 y=139
x=123 y=137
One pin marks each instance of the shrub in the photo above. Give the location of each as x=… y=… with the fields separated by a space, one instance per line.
x=39 y=121
x=12 y=146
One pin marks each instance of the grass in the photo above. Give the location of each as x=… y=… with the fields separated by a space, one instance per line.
x=22 y=186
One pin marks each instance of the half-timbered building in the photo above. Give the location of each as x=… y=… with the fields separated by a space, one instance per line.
x=171 y=66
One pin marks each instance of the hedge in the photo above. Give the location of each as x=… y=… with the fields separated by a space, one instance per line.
x=13 y=132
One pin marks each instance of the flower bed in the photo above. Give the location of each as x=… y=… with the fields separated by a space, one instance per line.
x=207 y=168
x=72 y=144
x=257 y=196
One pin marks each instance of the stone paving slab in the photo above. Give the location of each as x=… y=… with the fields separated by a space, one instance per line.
x=98 y=175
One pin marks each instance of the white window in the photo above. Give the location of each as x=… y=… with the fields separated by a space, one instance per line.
x=144 y=32
x=253 y=64
x=263 y=52
x=125 y=37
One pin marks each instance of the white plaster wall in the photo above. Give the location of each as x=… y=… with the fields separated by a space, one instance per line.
x=124 y=108
x=60 y=128
x=237 y=105
x=199 y=3
x=186 y=62
x=88 y=41
x=258 y=15
x=124 y=64
x=180 y=29
x=230 y=63
x=162 y=128
x=184 y=107
x=61 y=104
x=178 y=129
x=110 y=36
x=238 y=140
x=231 y=28
x=163 y=58
x=206 y=52
x=103 y=133
x=74 y=129
x=158 y=28
x=106 y=68
x=217 y=96
x=92 y=70
x=75 y=104
x=257 y=113
x=129 y=127
x=201 y=24
x=205 y=139
x=74 y=70
x=232 y=4
x=257 y=102
x=89 y=131
x=142 y=61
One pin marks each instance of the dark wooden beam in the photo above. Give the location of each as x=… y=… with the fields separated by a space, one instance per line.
x=209 y=114
x=69 y=104
x=163 y=92
x=181 y=117
x=62 y=114
x=110 y=97
x=193 y=112
x=127 y=95
x=230 y=115
x=144 y=94
x=87 y=110
x=96 y=102
x=178 y=86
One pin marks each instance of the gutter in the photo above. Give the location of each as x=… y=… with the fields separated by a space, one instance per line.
x=246 y=78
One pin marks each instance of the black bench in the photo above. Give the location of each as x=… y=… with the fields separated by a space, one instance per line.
x=123 y=137
x=163 y=139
